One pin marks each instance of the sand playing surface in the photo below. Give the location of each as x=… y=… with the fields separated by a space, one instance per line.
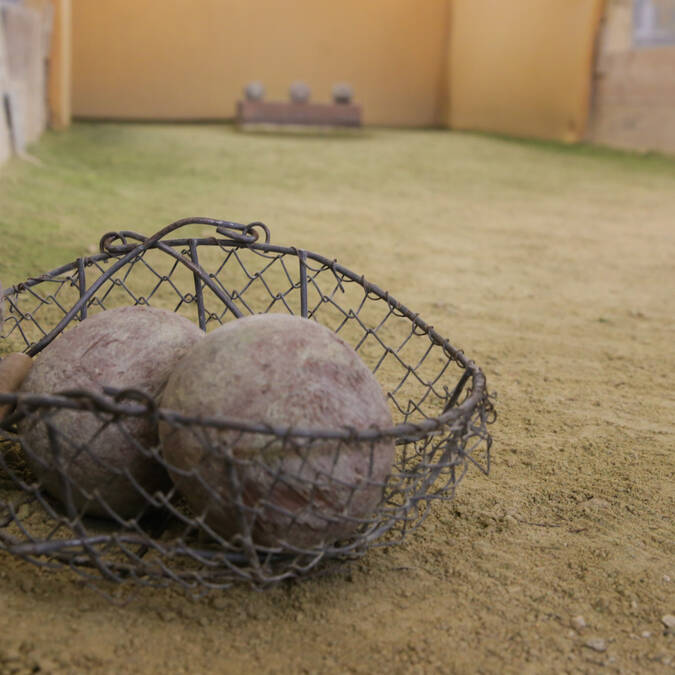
x=554 y=269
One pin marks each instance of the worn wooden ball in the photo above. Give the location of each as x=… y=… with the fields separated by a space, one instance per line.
x=284 y=371
x=299 y=92
x=343 y=93
x=254 y=91
x=13 y=371
x=133 y=347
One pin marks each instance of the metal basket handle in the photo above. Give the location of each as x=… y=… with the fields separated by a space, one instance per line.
x=241 y=235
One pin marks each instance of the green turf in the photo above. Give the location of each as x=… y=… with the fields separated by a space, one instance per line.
x=95 y=178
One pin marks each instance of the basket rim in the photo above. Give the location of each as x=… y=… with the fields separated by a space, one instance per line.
x=235 y=235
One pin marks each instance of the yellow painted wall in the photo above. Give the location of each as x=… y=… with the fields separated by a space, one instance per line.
x=522 y=67
x=59 y=94
x=189 y=59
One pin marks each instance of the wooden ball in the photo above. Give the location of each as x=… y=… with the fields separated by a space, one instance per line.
x=254 y=91
x=299 y=92
x=284 y=371
x=343 y=93
x=13 y=371
x=132 y=347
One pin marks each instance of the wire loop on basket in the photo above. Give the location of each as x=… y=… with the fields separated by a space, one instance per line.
x=440 y=415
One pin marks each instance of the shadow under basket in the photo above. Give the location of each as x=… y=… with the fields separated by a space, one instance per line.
x=437 y=396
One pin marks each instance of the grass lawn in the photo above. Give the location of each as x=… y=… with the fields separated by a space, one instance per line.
x=401 y=191
x=551 y=266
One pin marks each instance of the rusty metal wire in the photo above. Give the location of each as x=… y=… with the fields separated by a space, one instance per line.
x=438 y=397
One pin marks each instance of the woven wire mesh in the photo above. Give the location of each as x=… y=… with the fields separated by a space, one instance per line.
x=438 y=399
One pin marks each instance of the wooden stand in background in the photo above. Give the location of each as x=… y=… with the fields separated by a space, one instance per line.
x=252 y=113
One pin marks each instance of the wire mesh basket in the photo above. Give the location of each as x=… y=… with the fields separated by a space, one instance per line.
x=437 y=396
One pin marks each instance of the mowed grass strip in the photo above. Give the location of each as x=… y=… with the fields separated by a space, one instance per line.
x=345 y=193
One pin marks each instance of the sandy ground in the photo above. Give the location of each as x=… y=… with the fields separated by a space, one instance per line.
x=555 y=271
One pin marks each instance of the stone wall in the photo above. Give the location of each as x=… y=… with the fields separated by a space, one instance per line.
x=5 y=140
x=34 y=71
x=633 y=102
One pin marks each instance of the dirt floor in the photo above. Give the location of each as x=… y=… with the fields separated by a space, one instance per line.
x=552 y=267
